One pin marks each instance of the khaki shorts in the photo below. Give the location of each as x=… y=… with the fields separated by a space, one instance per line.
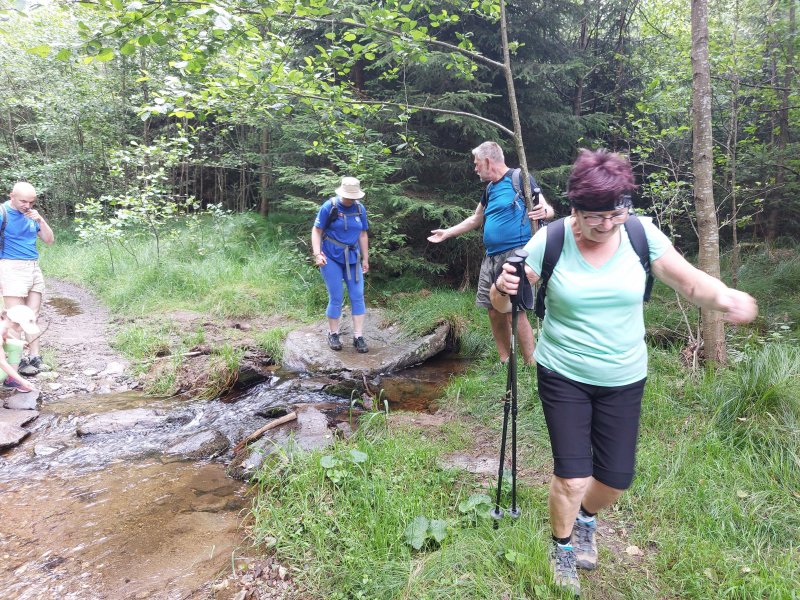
x=490 y=270
x=18 y=278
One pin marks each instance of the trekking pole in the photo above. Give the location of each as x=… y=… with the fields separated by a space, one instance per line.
x=509 y=404
x=517 y=305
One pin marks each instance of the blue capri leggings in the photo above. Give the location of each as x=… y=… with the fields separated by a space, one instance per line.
x=335 y=276
x=593 y=429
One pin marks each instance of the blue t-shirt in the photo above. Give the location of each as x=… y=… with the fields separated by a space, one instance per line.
x=19 y=236
x=346 y=228
x=593 y=329
x=505 y=220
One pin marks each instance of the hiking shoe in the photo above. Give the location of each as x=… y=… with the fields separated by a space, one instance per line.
x=26 y=367
x=585 y=544
x=360 y=344
x=565 y=572
x=38 y=363
x=334 y=342
x=12 y=384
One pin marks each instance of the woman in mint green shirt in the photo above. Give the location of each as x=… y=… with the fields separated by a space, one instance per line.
x=591 y=354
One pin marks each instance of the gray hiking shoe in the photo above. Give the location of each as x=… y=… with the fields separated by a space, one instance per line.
x=334 y=342
x=585 y=545
x=565 y=572
x=38 y=363
x=26 y=368
x=360 y=344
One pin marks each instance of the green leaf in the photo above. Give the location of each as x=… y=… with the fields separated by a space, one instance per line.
x=42 y=51
x=144 y=40
x=417 y=532
x=357 y=456
x=64 y=54
x=328 y=461
x=127 y=49
x=105 y=55
x=438 y=530
x=473 y=502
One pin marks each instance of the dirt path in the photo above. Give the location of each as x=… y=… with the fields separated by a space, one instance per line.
x=76 y=327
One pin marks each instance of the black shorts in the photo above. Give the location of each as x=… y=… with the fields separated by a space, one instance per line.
x=593 y=429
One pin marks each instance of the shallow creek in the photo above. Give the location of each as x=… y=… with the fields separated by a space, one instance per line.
x=111 y=515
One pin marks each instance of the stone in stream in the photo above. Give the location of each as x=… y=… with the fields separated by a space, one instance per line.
x=135 y=418
x=17 y=417
x=22 y=401
x=390 y=349
x=204 y=444
x=11 y=435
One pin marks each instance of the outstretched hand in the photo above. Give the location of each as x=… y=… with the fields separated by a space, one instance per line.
x=737 y=306
x=437 y=235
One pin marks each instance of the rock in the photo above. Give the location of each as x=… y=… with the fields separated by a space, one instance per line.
x=312 y=429
x=11 y=435
x=17 y=418
x=48 y=375
x=45 y=450
x=67 y=395
x=55 y=386
x=90 y=372
x=204 y=444
x=22 y=401
x=113 y=368
x=135 y=418
x=344 y=429
x=390 y=349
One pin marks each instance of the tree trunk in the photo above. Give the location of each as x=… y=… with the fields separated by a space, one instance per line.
x=263 y=207
x=702 y=149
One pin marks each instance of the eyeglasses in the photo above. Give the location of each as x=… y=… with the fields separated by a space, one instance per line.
x=616 y=219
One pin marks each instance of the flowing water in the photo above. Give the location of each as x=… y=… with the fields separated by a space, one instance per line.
x=115 y=515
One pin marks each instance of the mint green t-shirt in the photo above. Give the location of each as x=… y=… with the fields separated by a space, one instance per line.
x=593 y=329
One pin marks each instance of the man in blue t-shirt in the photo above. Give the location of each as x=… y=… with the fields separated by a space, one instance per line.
x=506 y=227
x=21 y=278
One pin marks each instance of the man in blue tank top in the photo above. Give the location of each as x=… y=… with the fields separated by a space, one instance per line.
x=506 y=227
x=21 y=278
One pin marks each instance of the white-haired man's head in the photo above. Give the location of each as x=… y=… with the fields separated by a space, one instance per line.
x=23 y=196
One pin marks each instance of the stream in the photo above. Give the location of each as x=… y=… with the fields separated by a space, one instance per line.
x=103 y=499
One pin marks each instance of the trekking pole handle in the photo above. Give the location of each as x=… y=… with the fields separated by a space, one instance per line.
x=519 y=265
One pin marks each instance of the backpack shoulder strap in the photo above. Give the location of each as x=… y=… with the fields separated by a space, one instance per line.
x=638 y=238
x=3 y=228
x=334 y=212
x=552 y=252
x=516 y=180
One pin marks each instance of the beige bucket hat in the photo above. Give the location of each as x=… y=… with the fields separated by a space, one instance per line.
x=350 y=188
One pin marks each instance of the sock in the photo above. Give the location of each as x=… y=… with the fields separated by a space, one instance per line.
x=562 y=541
x=357 y=335
x=585 y=516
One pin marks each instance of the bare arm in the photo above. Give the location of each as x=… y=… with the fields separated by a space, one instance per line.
x=472 y=222
x=702 y=289
x=316 y=247
x=12 y=372
x=363 y=245
x=45 y=233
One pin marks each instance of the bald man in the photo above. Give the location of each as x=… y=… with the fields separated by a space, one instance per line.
x=21 y=278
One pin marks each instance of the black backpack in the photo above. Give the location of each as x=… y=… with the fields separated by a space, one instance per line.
x=555 y=243
x=334 y=214
x=516 y=183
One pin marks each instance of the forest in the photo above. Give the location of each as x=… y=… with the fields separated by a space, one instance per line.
x=182 y=148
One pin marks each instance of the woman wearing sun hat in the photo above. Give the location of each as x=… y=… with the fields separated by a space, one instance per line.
x=14 y=322
x=341 y=250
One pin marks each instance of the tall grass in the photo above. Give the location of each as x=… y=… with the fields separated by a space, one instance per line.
x=240 y=269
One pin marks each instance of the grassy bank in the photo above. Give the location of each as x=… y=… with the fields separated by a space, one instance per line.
x=713 y=513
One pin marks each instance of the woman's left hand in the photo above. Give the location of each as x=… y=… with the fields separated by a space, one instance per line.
x=737 y=306
x=364 y=266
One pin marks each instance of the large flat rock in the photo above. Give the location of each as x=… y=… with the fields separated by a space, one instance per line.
x=22 y=401
x=17 y=417
x=120 y=420
x=390 y=349
x=11 y=435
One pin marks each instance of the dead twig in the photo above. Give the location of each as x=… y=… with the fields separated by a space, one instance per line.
x=259 y=432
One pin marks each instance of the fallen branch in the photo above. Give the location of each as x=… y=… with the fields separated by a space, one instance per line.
x=259 y=432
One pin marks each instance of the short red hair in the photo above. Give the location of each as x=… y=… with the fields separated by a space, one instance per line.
x=599 y=177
